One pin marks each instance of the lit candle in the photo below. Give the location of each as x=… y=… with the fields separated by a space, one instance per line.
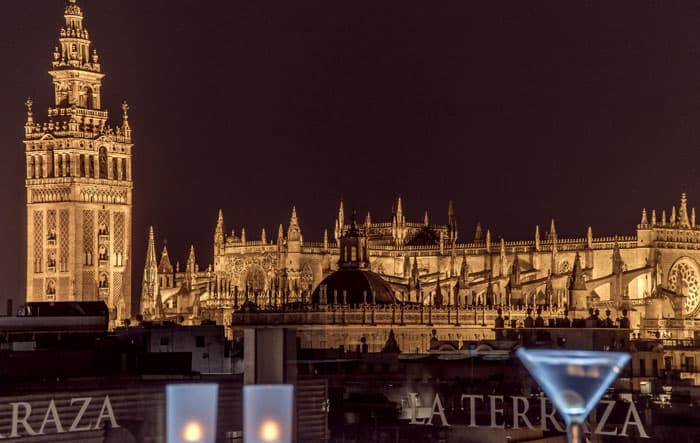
x=191 y=413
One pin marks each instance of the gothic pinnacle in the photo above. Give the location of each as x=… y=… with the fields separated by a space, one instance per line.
x=644 y=221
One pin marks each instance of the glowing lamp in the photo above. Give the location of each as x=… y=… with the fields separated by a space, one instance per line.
x=191 y=413
x=267 y=413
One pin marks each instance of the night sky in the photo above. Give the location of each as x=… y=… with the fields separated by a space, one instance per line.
x=519 y=112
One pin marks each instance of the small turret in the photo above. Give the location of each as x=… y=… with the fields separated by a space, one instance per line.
x=280 y=235
x=692 y=218
x=325 y=239
x=537 y=238
x=191 y=271
x=263 y=236
x=578 y=281
x=426 y=221
x=673 y=220
x=683 y=220
x=589 y=238
x=126 y=128
x=149 y=288
x=644 y=220
x=653 y=217
x=339 y=222
x=294 y=231
x=552 y=232
x=663 y=217
x=29 y=124
x=219 y=234
x=488 y=241
x=243 y=238
x=477 y=233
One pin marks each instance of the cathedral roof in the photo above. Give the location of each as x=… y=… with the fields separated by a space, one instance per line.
x=356 y=283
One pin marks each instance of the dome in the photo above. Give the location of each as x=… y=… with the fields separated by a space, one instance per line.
x=356 y=283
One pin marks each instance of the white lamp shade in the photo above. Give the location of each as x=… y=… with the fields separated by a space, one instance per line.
x=268 y=413
x=191 y=413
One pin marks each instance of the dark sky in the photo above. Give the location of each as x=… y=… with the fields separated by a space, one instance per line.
x=518 y=111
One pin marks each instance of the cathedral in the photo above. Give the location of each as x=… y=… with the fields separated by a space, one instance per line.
x=79 y=184
x=396 y=262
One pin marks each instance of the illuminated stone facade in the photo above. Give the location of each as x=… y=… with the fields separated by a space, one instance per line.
x=79 y=184
x=654 y=274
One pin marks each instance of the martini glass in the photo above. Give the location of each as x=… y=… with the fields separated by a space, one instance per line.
x=573 y=380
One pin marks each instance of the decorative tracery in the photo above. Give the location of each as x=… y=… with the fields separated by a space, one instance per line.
x=683 y=279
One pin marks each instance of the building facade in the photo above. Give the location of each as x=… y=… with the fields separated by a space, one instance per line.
x=653 y=274
x=79 y=184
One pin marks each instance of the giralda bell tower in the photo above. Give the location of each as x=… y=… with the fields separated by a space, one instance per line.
x=79 y=185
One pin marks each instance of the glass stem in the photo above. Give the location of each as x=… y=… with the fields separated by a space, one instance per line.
x=574 y=433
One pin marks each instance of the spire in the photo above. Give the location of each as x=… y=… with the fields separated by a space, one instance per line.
x=339 y=222
x=663 y=217
x=191 y=270
x=243 y=239
x=477 y=233
x=644 y=221
x=399 y=210
x=537 y=237
x=578 y=281
x=692 y=218
x=552 y=232
x=589 y=238
x=149 y=287
x=653 y=217
x=164 y=265
x=450 y=212
x=263 y=236
x=280 y=234
x=426 y=220
x=219 y=231
x=368 y=220
x=673 y=219
x=488 y=241
x=294 y=231
x=683 y=212
x=325 y=239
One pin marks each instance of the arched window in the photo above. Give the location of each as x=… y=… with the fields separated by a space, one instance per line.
x=103 y=162
x=60 y=166
x=124 y=170
x=82 y=165
x=68 y=165
x=91 y=166
x=32 y=167
x=115 y=168
x=40 y=168
x=86 y=98
x=49 y=162
x=353 y=253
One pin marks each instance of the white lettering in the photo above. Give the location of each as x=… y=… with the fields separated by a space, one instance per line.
x=604 y=419
x=438 y=410
x=106 y=406
x=494 y=411
x=637 y=421
x=472 y=407
x=413 y=401
x=517 y=414
x=74 y=426
x=543 y=421
x=51 y=416
x=16 y=420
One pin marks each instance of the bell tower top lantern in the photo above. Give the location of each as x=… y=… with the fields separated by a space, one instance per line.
x=76 y=71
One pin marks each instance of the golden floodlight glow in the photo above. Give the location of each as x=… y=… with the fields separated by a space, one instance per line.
x=192 y=432
x=269 y=430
